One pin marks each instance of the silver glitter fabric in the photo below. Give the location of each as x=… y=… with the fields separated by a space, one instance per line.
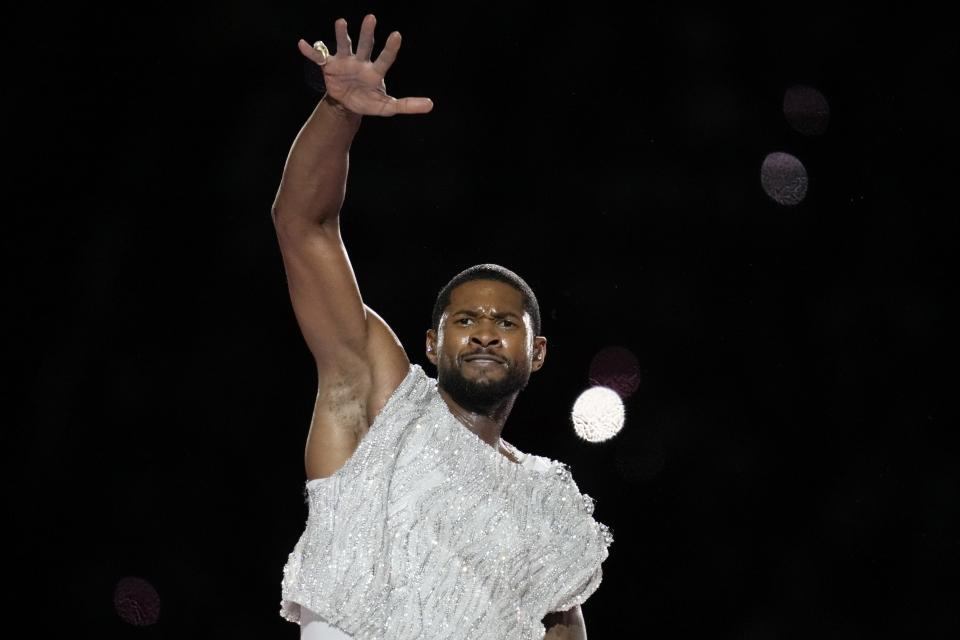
x=427 y=532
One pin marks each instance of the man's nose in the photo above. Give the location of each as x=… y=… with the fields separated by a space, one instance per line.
x=485 y=338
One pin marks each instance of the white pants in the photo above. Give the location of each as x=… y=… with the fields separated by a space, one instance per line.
x=313 y=627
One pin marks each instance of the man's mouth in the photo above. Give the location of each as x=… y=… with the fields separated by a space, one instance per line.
x=484 y=358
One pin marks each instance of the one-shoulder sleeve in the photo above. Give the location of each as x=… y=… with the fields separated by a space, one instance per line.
x=429 y=533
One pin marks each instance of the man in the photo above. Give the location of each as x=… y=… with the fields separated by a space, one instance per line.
x=423 y=522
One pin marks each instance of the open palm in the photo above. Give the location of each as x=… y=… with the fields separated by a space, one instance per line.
x=356 y=82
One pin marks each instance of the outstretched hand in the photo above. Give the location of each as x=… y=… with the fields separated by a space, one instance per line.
x=356 y=82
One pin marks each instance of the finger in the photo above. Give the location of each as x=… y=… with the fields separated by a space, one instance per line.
x=389 y=53
x=410 y=106
x=365 y=45
x=343 y=38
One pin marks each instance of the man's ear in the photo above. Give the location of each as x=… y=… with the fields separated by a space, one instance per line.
x=431 y=346
x=539 y=352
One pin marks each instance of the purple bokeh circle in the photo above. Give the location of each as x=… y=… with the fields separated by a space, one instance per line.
x=616 y=368
x=783 y=178
x=806 y=110
x=136 y=601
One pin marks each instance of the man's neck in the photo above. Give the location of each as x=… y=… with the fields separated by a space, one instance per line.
x=487 y=425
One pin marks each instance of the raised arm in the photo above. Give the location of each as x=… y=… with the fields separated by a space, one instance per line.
x=359 y=359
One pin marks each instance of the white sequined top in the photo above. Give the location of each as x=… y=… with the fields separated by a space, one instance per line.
x=427 y=532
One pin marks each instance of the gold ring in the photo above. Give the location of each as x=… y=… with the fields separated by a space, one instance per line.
x=322 y=48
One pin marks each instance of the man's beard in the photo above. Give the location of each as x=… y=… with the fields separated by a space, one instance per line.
x=483 y=395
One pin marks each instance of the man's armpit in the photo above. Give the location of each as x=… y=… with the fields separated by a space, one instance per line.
x=565 y=625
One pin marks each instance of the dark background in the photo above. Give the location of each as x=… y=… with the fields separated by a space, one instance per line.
x=787 y=468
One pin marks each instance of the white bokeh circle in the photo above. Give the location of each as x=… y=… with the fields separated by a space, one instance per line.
x=598 y=414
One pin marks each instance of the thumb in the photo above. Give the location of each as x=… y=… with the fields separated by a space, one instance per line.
x=308 y=51
x=414 y=105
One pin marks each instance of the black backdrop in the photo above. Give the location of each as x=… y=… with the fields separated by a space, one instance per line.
x=787 y=468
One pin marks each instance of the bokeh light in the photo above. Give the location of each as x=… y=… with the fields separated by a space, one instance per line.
x=616 y=368
x=784 y=178
x=136 y=601
x=598 y=414
x=806 y=110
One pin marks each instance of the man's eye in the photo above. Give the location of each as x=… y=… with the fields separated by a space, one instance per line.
x=464 y=320
x=506 y=323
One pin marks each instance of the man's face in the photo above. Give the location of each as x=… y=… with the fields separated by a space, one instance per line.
x=484 y=348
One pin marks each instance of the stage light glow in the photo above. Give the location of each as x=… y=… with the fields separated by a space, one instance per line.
x=598 y=414
x=783 y=178
x=136 y=601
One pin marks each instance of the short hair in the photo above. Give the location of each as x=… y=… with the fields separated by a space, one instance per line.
x=489 y=272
